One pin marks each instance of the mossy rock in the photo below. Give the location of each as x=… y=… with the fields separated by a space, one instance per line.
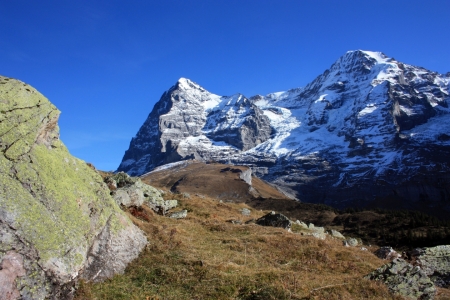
x=131 y=191
x=405 y=279
x=55 y=211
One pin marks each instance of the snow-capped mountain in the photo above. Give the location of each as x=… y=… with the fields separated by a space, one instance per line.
x=368 y=129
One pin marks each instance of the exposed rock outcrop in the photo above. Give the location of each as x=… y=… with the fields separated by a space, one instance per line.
x=131 y=191
x=55 y=211
x=405 y=279
x=435 y=262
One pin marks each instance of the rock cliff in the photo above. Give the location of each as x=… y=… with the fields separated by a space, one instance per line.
x=187 y=115
x=58 y=222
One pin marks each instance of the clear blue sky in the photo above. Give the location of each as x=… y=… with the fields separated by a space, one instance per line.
x=104 y=64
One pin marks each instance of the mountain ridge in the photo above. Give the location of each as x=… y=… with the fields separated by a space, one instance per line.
x=360 y=125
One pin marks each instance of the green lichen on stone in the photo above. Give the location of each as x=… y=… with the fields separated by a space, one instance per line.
x=56 y=204
x=405 y=279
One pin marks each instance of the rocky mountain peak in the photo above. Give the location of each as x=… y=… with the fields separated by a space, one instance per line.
x=187 y=84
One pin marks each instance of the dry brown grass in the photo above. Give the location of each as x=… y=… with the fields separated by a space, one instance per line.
x=206 y=257
x=212 y=180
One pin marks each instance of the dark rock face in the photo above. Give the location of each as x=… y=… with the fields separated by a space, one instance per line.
x=275 y=220
x=404 y=279
x=369 y=131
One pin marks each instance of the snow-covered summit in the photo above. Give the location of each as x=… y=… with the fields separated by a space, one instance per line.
x=187 y=84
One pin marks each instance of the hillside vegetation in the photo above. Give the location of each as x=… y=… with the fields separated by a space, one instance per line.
x=205 y=256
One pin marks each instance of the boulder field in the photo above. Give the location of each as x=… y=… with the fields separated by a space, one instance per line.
x=58 y=221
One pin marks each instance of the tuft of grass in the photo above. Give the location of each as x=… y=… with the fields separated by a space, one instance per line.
x=206 y=257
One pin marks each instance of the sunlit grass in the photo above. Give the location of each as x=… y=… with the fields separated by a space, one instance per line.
x=206 y=257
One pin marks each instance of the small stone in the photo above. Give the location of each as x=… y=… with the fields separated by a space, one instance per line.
x=301 y=224
x=352 y=242
x=179 y=215
x=245 y=212
x=336 y=234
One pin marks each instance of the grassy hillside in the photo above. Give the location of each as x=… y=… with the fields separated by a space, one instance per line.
x=207 y=257
x=213 y=179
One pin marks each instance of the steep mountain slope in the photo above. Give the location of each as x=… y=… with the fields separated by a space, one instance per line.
x=368 y=130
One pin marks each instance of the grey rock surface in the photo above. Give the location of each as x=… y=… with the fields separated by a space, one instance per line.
x=405 y=279
x=352 y=242
x=246 y=212
x=336 y=234
x=435 y=262
x=131 y=191
x=246 y=176
x=179 y=215
x=252 y=129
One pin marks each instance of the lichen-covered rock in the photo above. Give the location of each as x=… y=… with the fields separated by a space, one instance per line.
x=435 y=262
x=275 y=220
x=405 y=279
x=55 y=211
x=131 y=191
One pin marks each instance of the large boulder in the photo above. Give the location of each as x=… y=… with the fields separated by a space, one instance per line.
x=275 y=220
x=435 y=262
x=405 y=279
x=58 y=222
